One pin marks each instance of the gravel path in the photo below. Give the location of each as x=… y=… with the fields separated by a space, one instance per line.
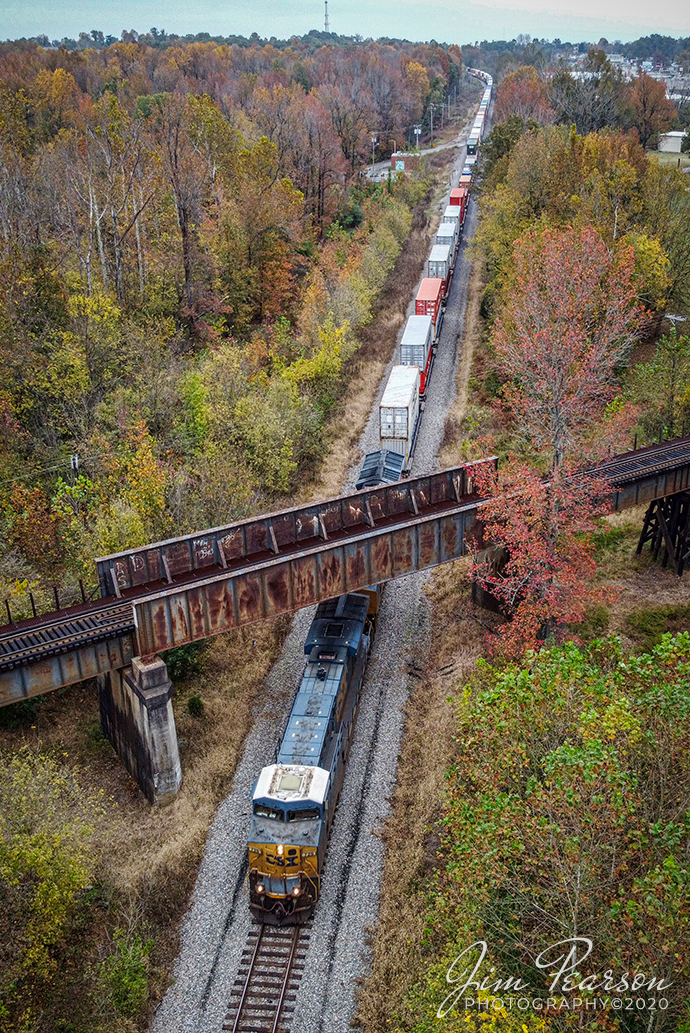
x=215 y=928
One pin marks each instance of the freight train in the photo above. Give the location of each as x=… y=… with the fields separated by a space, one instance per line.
x=404 y=396
x=294 y=799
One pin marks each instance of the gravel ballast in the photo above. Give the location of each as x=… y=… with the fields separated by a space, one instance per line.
x=215 y=928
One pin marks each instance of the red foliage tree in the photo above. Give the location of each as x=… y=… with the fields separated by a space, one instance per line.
x=543 y=572
x=523 y=93
x=653 y=110
x=565 y=328
x=569 y=322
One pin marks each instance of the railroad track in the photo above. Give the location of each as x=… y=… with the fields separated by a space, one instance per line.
x=264 y=994
x=63 y=631
x=653 y=459
x=29 y=641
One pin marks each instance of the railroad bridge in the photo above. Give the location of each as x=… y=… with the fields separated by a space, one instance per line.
x=186 y=589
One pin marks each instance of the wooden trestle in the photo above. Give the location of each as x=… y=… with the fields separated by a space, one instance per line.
x=667 y=526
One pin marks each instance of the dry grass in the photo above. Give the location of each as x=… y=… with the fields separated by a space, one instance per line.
x=377 y=342
x=638 y=583
x=670 y=158
x=459 y=633
x=149 y=856
x=459 y=637
x=450 y=451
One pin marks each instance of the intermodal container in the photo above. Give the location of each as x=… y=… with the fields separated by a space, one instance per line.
x=429 y=302
x=416 y=347
x=447 y=233
x=460 y=197
x=438 y=265
x=452 y=214
x=399 y=412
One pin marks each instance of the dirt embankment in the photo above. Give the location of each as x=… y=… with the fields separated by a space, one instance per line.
x=377 y=341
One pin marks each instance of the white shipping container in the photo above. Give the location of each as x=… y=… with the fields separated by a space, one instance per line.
x=438 y=263
x=446 y=233
x=399 y=411
x=452 y=214
x=416 y=341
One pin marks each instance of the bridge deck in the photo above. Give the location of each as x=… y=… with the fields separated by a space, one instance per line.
x=199 y=585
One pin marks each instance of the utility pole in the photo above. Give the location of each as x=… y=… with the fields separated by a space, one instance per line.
x=374 y=141
x=417 y=134
x=431 y=109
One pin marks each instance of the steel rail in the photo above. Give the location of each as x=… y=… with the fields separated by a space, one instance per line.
x=272 y=960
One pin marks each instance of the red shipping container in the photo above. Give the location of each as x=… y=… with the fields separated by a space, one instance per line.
x=460 y=196
x=429 y=299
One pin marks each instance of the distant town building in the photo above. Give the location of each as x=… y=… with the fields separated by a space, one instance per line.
x=671 y=141
x=402 y=161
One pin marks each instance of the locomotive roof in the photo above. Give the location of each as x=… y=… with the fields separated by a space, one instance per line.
x=305 y=736
x=291 y=783
x=337 y=624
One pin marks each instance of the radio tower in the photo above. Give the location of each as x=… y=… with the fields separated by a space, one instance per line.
x=327 y=27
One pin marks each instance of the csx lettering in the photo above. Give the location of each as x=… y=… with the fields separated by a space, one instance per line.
x=282 y=862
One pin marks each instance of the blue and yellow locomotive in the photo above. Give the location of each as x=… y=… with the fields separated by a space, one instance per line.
x=294 y=800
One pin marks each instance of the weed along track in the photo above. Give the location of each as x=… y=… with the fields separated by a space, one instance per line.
x=264 y=994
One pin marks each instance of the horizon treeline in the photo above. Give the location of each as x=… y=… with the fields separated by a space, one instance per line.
x=660 y=49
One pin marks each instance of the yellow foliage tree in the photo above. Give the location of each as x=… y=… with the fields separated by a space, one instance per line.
x=47 y=822
x=418 y=82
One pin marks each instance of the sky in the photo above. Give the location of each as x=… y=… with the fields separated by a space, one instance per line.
x=448 y=21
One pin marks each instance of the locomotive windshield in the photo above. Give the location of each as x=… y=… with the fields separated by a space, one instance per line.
x=306 y=814
x=262 y=811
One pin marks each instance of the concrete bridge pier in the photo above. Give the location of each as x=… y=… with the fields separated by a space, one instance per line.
x=137 y=718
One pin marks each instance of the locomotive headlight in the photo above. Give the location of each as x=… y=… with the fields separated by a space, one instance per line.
x=260 y=888
x=295 y=892
x=280 y=850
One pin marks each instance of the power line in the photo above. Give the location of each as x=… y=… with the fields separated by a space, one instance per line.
x=67 y=464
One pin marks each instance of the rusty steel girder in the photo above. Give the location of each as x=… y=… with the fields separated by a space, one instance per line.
x=320 y=571
x=225 y=548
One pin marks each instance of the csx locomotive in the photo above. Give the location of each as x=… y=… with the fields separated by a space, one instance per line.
x=294 y=800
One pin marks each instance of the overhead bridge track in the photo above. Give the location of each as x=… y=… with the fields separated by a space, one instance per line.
x=195 y=586
x=200 y=585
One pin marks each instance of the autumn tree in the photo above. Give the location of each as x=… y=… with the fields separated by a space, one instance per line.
x=664 y=386
x=565 y=814
x=653 y=110
x=47 y=859
x=523 y=93
x=591 y=102
x=567 y=324
x=417 y=79
x=168 y=119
